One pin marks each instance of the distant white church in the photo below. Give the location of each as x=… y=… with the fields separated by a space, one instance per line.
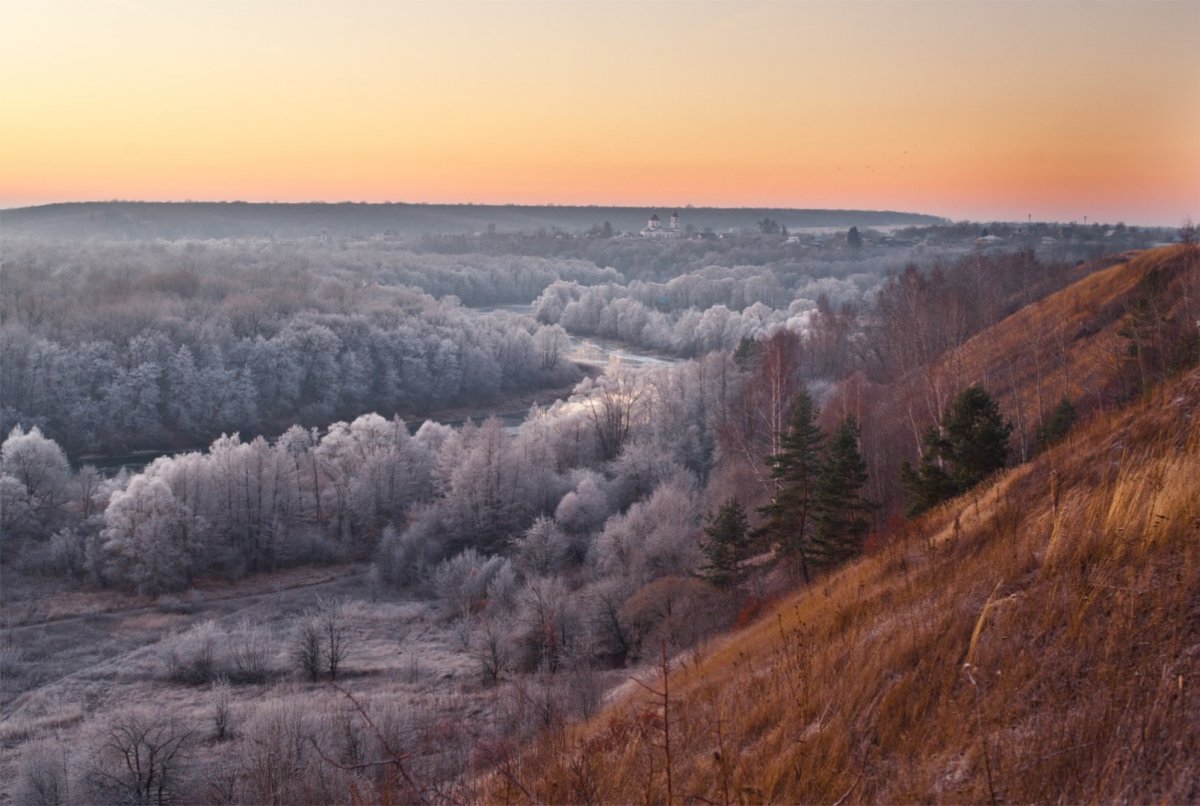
x=655 y=229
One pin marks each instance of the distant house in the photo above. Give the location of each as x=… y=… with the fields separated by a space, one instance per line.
x=655 y=229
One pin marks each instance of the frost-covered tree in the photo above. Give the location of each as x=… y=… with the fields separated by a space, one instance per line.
x=614 y=404
x=150 y=541
x=486 y=501
x=16 y=513
x=542 y=549
x=548 y=624
x=185 y=394
x=550 y=344
x=461 y=583
x=40 y=477
x=404 y=558
x=584 y=508
x=652 y=538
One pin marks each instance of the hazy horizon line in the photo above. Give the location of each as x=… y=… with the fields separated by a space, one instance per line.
x=689 y=206
x=6 y=207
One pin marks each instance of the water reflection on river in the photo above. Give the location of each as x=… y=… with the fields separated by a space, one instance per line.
x=593 y=350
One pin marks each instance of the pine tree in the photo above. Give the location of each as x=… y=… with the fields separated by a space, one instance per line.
x=928 y=484
x=726 y=545
x=795 y=469
x=976 y=437
x=1060 y=422
x=971 y=444
x=839 y=510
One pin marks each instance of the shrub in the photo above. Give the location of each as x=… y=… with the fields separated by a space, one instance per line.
x=462 y=582
x=677 y=610
x=307 y=649
x=140 y=758
x=68 y=553
x=335 y=632
x=222 y=711
x=250 y=653
x=42 y=774
x=277 y=752
x=180 y=605
x=193 y=660
x=1059 y=424
x=11 y=664
x=404 y=558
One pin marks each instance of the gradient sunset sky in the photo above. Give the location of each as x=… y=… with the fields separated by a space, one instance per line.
x=968 y=109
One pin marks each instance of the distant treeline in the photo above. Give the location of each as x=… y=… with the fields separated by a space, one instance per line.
x=146 y=220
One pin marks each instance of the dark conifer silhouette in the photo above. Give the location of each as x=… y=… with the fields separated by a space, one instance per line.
x=839 y=509
x=726 y=545
x=1060 y=422
x=795 y=470
x=971 y=444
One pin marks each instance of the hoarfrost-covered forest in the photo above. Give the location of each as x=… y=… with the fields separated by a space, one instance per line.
x=475 y=582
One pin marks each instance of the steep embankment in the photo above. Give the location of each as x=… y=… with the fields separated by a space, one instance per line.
x=1037 y=639
x=1077 y=342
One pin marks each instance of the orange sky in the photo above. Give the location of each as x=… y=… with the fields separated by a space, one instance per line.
x=969 y=109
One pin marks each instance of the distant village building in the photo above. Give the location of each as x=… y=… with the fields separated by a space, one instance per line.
x=655 y=229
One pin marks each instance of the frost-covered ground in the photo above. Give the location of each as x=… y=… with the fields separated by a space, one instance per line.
x=75 y=664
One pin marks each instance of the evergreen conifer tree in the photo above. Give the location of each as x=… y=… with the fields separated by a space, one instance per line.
x=971 y=444
x=1060 y=422
x=839 y=510
x=795 y=470
x=976 y=437
x=928 y=484
x=726 y=545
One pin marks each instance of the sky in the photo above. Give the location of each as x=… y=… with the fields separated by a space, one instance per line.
x=970 y=110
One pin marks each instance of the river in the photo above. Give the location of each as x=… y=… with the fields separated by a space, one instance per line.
x=592 y=350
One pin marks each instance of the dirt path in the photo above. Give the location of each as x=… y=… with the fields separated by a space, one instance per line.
x=337 y=574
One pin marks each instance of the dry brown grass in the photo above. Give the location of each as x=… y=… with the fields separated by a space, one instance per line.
x=1069 y=344
x=1038 y=640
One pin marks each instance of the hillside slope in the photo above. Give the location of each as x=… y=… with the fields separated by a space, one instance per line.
x=1037 y=639
x=1077 y=343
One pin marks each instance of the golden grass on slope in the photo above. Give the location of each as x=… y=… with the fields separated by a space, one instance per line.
x=1068 y=344
x=1037 y=640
